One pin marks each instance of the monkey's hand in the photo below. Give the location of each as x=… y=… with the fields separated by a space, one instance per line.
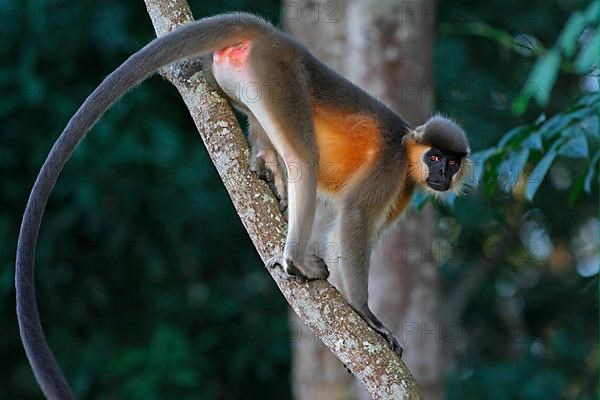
x=315 y=268
x=269 y=170
x=386 y=333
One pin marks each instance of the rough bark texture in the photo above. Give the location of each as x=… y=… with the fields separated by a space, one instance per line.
x=384 y=47
x=317 y=303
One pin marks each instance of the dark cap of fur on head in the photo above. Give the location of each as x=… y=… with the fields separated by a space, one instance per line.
x=444 y=134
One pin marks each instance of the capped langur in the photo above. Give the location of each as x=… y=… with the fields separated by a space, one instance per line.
x=342 y=163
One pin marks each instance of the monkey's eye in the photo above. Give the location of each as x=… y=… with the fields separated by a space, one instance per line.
x=452 y=163
x=434 y=158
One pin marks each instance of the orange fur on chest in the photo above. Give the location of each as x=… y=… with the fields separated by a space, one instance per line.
x=347 y=143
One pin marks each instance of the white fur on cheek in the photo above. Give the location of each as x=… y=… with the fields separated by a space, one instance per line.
x=424 y=170
x=420 y=172
x=457 y=184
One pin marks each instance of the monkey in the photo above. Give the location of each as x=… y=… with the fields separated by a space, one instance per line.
x=342 y=164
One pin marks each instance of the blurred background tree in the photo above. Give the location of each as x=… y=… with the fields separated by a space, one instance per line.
x=369 y=43
x=130 y=297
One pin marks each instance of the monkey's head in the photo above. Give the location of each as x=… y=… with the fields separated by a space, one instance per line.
x=438 y=155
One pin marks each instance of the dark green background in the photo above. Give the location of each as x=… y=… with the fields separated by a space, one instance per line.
x=147 y=282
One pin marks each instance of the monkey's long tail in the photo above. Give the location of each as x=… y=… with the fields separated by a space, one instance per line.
x=190 y=40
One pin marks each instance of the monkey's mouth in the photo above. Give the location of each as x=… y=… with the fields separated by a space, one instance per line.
x=439 y=186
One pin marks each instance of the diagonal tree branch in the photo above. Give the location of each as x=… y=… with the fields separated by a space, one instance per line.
x=319 y=305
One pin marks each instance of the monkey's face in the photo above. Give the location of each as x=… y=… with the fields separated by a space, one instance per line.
x=442 y=168
x=438 y=155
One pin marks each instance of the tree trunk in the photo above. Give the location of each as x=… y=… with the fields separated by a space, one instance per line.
x=385 y=47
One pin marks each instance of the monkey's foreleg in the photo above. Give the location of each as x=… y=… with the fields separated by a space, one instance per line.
x=355 y=253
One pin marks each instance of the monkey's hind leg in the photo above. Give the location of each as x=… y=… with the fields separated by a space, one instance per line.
x=266 y=163
x=320 y=252
x=286 y=117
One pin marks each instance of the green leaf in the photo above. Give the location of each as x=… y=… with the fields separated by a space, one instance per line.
x=510 y=169
x=576 y=190
x=520 y=104
x=530 y=90
x=571 y=32
x=560 y=122
x=539 y=173
x=575 y=147
x=543 y=75
x=589 y=55
x=590 y=127
x=511 y=136
x=527 y=135
x=534 y=141
x=586 y=100
x=593 y=12
x=584 y=181
x=587 y=186
x=478 y=160
x=525 y=45
x=490 y=172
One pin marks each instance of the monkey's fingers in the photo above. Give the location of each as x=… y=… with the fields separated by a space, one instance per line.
x=392 y=341
x=277 y=191
x=346 y=368
x=288 y=266
x=268 y=176
x=275 y=261
x=283 y=205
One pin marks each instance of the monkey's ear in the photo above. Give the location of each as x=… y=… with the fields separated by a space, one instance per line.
x=417 y=133
x=419 y=129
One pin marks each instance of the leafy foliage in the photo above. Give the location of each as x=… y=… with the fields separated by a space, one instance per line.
x=530 y=321
x=571 y=134
x=566 y=134
x=545 y=71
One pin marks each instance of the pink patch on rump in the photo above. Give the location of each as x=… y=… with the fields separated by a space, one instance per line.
x=234 y=55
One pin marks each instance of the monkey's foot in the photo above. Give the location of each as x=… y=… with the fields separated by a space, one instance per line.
x=391 y=339
x=293 y=269
x=317 y=267
x=288 y=266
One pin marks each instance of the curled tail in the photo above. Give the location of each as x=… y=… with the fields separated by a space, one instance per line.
x=190 y=40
